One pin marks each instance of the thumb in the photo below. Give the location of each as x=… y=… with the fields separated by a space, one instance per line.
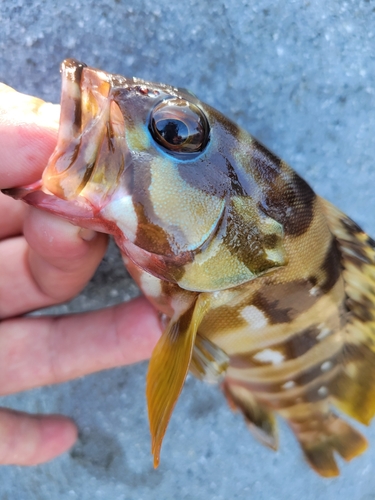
x=28 y=135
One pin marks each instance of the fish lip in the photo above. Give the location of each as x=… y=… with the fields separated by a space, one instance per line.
x=21 y=192
x=70 y=127
x=72 y=68
x=90 y=118
x=80 y=212
x=85 y=116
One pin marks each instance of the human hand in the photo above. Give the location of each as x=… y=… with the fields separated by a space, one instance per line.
x=45 y=260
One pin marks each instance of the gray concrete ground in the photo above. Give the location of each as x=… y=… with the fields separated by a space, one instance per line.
x=300 y=75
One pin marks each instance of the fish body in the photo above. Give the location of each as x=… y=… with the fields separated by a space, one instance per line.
x=262 y=285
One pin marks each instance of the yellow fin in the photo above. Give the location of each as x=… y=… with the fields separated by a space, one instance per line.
x=354 y=388
x=209 y=362
x=322 y=436
x=168 y=368
x=260 y=421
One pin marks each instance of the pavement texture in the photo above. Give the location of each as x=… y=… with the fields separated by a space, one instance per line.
x=300 y=76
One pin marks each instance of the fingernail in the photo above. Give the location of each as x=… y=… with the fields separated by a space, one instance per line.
x=87 y=234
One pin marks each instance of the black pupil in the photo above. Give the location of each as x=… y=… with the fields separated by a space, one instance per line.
x=180 y=127
x=173 y=131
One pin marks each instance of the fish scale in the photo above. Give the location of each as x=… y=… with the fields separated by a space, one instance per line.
x=264 y=286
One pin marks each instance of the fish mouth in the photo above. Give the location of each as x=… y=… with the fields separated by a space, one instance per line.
x=91 y=130
x=89 y=157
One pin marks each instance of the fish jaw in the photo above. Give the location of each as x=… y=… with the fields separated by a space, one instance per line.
x=89 y=157
x=91 y=146
x=79 y=212
x=84 y=171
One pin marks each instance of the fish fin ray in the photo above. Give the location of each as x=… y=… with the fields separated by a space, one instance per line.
x=209 y=362
x=322 y=461
x=353 y=390
x=168 y=368
x=321 y=435
x=260 y=421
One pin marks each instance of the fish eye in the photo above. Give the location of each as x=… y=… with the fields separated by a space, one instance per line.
x=179 y=126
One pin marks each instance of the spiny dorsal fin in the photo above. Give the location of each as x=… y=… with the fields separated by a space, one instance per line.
x=168 y=368
x=354 y=389
x=209 y=362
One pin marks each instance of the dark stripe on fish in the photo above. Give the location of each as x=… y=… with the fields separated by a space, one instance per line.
x=331 y=267
x=294 y=347
x=283 y=302
x=75 y=74
x=312 y=386
x=265 y=164
x=249 y=246
x=290 y=201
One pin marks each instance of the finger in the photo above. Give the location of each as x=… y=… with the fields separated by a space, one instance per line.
x=40 y=351
x=55 y=268
x=28 y=135
x=12 y=223
x=33 y=439
x=63 y=257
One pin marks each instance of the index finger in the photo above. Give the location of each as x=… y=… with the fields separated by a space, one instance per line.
x=49 y=350
x=28 y=135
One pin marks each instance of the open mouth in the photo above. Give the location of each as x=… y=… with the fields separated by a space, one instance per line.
x=84 y=124
x=91 y=141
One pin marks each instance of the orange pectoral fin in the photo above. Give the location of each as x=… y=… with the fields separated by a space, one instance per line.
x=168 y=368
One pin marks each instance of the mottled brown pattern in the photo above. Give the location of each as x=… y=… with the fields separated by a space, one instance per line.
x=351 y=227
x=283 y=302
x=155 y=237
x=247 y=242
x=331 y=267
x=220 y=318
x=272 y=309
x=236 y=186
x=357 y=260
x=256 y=415
x=362 y=308
x=313 y=388
x=268 y=166
x=290 y=201
x=355 y=253
x=270 y=241
x=314 y=372
x=203 y=176
x=301 y=342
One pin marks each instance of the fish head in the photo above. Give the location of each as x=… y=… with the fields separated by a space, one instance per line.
x=168 y=175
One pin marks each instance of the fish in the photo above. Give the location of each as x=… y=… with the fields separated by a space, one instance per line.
x=262 y=286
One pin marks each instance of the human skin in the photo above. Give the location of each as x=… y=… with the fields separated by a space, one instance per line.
x=44 y=261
